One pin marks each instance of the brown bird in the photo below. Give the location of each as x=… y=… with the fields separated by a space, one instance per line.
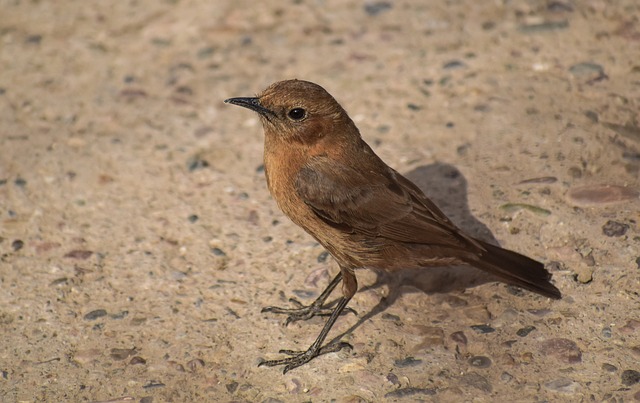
x=328 y=181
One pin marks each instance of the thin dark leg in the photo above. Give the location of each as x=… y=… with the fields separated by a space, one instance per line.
x=304 y=312
x=299 y=358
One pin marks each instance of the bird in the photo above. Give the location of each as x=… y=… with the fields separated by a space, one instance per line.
x=329 y=181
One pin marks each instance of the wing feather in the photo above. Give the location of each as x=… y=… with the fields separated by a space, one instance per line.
x=374 y=202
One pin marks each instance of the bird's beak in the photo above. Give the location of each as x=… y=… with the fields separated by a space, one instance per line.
x=250 y=103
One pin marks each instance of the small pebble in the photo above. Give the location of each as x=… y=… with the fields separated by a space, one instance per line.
x=564 y=350
x=630 y=377
x=322 y=257
x=193 y=218
x=194 y=163
x=375 y=8
x=595 y=195
x=614 y=228
x=195 y=364
x=506 y=377
x=93 y=315
x=515 y=291
x=393 y=378
x=480 y=361
x=592 y=116
x=459 y=338
x=218 y=252
x=120 y=315
x=583 y=274
x=454 y=64
x=587 y=71
x=564 y=385
x=488 y=25
x=476 y=381
x=232 y=387
x=410 y=391
x=483 y=329
x=606 y=332
x=609 y=367
x=20 y=182
x=407 y=362
x=120 y=354
x=17 y=245
x=153 y=385
x=137 y=360
x=34 y=39
x=543 y=179
x=524 y=332
x=390 y=317
x=79 y=254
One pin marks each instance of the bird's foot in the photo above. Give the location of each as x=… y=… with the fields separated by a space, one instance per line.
x=303 y=312
x=298 y=358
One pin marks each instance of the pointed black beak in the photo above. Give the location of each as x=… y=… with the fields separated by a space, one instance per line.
x=250 y=103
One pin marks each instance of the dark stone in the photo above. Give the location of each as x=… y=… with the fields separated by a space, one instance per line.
x=614 y=228
x=377 y=7
x=407 y=362
x=524 y=332
x=218 y=252
x=630 y=377
x=480 y=361
x=93 y=315
x=483 y=329
x=322 y=257
x=17 y=245
x=410 y=391
x=232 y=387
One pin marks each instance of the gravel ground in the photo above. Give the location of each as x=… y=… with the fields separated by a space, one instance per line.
x=138 y=240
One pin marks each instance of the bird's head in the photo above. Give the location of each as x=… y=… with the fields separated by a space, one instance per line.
x=297 y=110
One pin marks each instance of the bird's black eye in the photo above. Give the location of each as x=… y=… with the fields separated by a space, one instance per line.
x=297 y=114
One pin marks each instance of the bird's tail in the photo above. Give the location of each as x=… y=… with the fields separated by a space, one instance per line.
x=516 y=269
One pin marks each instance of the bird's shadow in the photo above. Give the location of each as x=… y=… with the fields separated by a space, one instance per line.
x=445 y=185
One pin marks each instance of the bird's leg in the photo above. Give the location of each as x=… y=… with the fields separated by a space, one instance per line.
x=299 y=358
x=304 y=312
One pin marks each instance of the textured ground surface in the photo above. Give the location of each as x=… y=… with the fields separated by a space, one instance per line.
x=138 y=241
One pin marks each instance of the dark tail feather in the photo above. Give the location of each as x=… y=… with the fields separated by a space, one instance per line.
x=516 y=269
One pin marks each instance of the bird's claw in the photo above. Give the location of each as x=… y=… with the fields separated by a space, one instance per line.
x=303 y=312
x=298 y=358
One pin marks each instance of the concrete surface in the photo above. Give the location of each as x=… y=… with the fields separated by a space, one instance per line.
x=138 y=241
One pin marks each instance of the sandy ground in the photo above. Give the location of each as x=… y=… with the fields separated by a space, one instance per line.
x=138 y=241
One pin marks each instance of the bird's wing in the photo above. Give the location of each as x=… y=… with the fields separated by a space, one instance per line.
x=374 y=202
